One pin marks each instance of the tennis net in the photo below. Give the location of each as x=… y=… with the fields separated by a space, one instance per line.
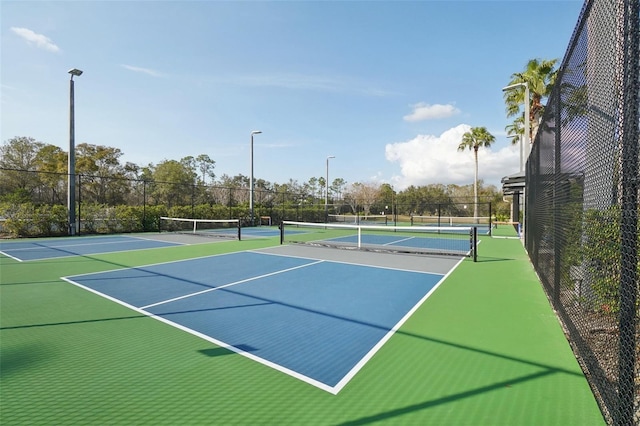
x=223 y=228
x=458 y=241
x=372 y=219
x=465 y=221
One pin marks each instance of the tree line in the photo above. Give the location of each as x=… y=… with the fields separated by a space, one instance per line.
x=33 y=184
x=34 y=173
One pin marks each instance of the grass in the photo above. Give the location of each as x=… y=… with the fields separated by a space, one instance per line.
x=484 y=349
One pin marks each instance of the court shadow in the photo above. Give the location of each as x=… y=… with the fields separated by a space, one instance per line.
x=31 y=283
x=18 y=359
x=216 y=352
x=484 y=259
x=73 y=322
x=221 y=351
x=395 y=414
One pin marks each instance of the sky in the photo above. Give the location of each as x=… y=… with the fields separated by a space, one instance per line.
x=388 y=88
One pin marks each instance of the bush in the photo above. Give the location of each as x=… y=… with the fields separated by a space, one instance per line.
x=29 y=220
x=90 y=220
x=601 y=253
x=17 y=218
x=129 y=219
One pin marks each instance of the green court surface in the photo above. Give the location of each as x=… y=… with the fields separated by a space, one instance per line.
x=504 y=229
x=484 y=349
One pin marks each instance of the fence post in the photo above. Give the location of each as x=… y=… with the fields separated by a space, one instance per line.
x=79 y=204
x=144 y=205
x=629 y=220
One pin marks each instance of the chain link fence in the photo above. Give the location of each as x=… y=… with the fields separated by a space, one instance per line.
x=582 y=209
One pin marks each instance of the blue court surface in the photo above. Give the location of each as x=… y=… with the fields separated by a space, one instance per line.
x=261 y=231
x=76 y=246
x=314 y=319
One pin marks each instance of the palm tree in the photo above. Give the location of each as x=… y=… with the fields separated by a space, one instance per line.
x=515 y=132
x=474 y=139
x=540 y=75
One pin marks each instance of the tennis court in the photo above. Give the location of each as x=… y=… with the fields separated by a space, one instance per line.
x=65 y=247
x=281 y=310
x=255 y=332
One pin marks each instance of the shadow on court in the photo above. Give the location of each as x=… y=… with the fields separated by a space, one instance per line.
x=483 y=259
x=18 y=359
x=88 y=321
x=445 y=400
x=221 y=351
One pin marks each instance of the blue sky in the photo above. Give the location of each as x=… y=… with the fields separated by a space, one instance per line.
x=388 y=88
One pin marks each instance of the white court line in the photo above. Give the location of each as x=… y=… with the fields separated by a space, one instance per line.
x=154 y=264
x=92 y=254
x=216 y=342
x=320 y=385
x=399 y=241
x=12 y=257
x=343 y=382
x=63 y=246
x=231 y=284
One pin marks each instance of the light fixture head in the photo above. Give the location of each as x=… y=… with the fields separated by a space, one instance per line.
x=255 y=132
x=75 y=71
x=513 y=86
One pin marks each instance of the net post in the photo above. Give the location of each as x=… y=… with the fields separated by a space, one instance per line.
x=281 y=232
x=239 y=231
x=490 y=224
x=474 y=243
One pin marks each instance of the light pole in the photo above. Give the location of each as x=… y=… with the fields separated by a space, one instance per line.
x=527 y=124
x=326 y=191
x=394 y=210
x=526 y=139
x=71 y=166
x=255 y=132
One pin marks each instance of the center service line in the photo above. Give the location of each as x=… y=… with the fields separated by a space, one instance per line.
x=230 y=284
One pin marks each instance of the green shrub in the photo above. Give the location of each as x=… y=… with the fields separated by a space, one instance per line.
x=128 y=218
x=18 y=219
x=601 y=253
x=91 y=218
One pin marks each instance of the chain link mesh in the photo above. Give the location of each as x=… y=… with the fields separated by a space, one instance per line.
x=582 y=203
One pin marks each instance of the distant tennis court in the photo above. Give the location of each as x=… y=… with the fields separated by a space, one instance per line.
x=456 y=241
x=302 y=312
x=65 y=247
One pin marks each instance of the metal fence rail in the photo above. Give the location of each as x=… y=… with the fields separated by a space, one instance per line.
x=582 y=188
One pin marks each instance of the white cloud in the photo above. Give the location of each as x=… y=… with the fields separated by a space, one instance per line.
x=423 y=111
x=39 y=40
x=428 y=159
x=147 y=71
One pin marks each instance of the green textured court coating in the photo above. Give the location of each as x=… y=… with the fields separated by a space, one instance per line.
x=484 y=349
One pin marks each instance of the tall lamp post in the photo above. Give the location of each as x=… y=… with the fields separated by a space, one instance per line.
x=326 y=191
x=255 y=132
x=525 y=142
x=71 y=167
